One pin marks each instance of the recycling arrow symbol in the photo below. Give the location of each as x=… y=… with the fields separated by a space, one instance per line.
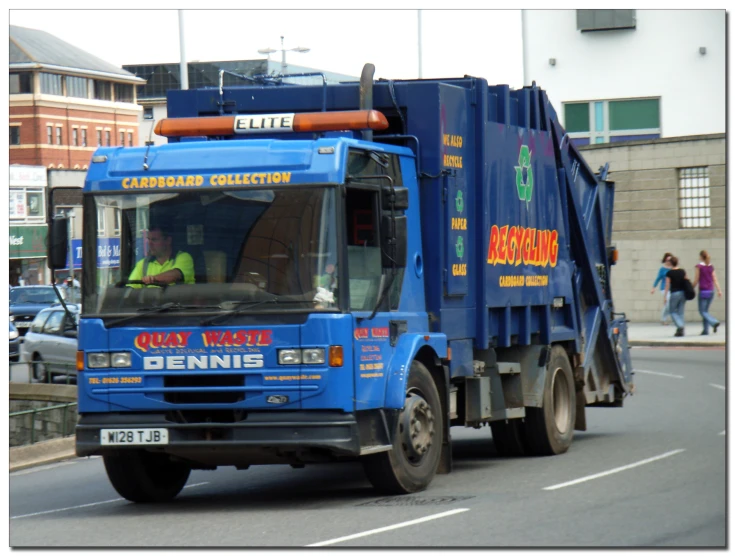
x=524 y=175
x=460 y=247
x=459 y=201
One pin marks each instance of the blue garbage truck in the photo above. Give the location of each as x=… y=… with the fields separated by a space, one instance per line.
x=322 y=273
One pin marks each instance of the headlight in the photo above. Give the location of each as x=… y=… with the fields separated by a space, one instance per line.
x=98 y=360
x=121 y=359
x=289 y=356
x=313 y=356
x=13 y=334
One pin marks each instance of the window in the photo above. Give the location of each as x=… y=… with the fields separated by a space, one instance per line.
x=612 y=121
x=99 y=137
x=107 y=138
x=59 y=140
x=38 y=322
x=15 y=135
x=50 y=134
x=123 y=93
x=116 y=221
x=77 y=87
x=102 y=90
x=130 y=138
x=694 y=203
x=148 y=113
x=84 y=137
x=101 y=220
x=122 y=139
x=54 y=323
x=75 y=137
x=51 y=84
x=34 y=202
x=21 y=83
x=605 y=20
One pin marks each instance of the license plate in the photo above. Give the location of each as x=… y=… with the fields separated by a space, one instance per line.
x=22 y=324
x=133 y=437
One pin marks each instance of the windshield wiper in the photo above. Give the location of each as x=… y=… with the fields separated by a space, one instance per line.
x=246 y=305
x=162 y=309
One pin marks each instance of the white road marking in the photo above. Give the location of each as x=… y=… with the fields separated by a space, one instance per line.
x=390 y=527
x=717 y=386
x=656 y=373
x=616 y=470
x=723 y=433
x=87 y=505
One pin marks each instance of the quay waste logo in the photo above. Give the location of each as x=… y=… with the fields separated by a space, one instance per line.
x=524 y=175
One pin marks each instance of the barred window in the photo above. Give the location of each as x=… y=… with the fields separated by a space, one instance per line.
x=50 y=134
x=59 y=132
x=84 y=137
x=122 y=139
x=15 y=135
x=694 y=202
x=75 y=137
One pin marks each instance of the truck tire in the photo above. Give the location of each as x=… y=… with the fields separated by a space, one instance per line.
x=417 y=439
x=143 y=477
x=550 y=429
x=508 y=437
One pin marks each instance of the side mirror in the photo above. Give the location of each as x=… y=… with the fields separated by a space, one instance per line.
x=71 y=334
x=394 y=241
x=58 y=243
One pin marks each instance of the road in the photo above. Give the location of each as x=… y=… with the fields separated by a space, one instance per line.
x=650 y=474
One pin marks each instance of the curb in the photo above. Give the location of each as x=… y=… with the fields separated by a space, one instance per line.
x=681 y=343
x=40 y=453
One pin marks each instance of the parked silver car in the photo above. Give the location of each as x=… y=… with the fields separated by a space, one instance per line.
x=50 y=345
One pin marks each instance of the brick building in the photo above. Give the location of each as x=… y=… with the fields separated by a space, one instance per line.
x=65 y=102
x=669 y=197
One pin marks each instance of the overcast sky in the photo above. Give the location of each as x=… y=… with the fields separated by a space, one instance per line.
x=482 y=43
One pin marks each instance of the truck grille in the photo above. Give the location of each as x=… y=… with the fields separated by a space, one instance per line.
x=204 y=382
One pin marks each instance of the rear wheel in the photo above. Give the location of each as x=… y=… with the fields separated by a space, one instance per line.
x=412 y=462
x=40 y=374
x=141 y=476
x=549 y=429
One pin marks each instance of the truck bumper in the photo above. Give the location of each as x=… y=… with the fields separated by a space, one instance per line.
x=261 y=437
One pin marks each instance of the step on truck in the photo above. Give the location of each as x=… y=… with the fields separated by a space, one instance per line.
x=333 y=272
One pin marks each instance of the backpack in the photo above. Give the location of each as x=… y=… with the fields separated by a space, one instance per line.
x=689 y=293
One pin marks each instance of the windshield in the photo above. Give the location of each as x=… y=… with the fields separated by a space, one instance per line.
x=34 y=295
x=212 y=250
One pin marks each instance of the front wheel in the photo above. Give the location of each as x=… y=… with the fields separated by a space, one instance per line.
x=141 y=476
x=417 y=439
x=549 y=429
x=40 y=373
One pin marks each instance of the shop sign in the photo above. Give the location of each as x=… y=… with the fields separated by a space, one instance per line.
x=108 y=252
x=27 y=242
x=28 y=175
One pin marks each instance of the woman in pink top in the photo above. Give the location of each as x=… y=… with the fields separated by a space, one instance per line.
x=704 y=275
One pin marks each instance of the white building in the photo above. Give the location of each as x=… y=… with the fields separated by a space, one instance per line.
x=616 y=75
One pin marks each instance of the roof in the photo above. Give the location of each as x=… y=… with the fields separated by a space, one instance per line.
x=31 y=48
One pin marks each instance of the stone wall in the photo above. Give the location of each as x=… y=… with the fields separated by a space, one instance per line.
x=646 y=219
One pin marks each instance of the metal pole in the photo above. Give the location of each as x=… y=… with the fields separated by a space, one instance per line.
x=524 y=47
x=184 y=69
x=283 y=58
x=420 y=64
x=71 y=250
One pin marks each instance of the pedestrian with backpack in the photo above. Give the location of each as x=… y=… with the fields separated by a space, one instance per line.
x=705 y=277
x=676 y=284
x=661 y=279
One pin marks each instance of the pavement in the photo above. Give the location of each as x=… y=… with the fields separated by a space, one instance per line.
x=639 y=334
x=656 y=334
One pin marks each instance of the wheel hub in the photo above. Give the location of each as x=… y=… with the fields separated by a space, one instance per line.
x=560 y=390
x=416 y=428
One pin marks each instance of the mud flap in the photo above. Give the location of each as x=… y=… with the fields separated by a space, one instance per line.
x=580 y=421
x=445 y=458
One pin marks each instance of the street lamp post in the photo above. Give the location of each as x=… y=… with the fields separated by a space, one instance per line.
x=283 y=51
